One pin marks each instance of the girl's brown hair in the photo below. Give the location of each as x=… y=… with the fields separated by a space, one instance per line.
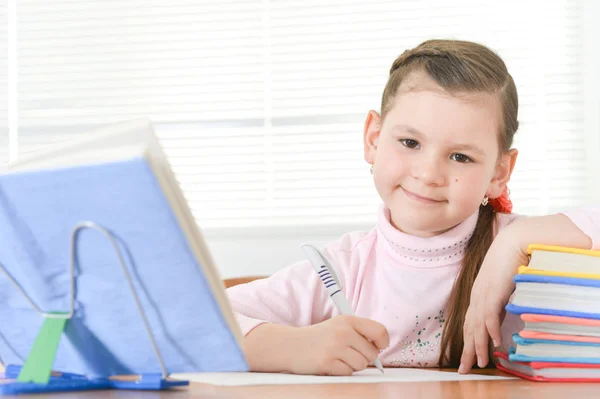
x=461 y=67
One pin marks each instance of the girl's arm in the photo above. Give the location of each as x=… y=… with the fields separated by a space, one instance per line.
x=287 y=324
x=494 y=284
x=293 y=296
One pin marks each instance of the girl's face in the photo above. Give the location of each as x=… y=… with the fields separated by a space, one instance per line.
x=436 y=156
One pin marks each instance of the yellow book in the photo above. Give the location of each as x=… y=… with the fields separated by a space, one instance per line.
x=555 y=248
x=528 y=270
x=549 y=260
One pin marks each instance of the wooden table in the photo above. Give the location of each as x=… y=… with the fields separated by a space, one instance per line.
x=489 y=389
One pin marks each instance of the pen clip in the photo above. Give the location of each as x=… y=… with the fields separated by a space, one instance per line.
x=318 y=260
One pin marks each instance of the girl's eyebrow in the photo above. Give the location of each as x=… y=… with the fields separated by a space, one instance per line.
x=415 y=132
x=469 y=147
x=407 y=128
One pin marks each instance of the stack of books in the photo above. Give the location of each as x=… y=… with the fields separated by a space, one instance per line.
x=558 y=298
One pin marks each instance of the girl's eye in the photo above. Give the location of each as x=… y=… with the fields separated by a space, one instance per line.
x=462 y=158
x=410 y=143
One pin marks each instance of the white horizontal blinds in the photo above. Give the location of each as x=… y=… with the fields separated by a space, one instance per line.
x=567 y=177
x=196 y=68
x=222 y=171
x=86 y=62
x=3 y=84
x=551 y=171
x=260 y=104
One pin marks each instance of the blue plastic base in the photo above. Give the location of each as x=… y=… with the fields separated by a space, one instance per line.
x=15 y=388
x=66 y=382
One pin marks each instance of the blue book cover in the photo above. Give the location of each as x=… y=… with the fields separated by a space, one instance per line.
x=536 y=278
x=516 y=308
x=550 y=356
x=106 y=336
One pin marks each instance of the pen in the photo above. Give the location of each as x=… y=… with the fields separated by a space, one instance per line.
x=332 y=284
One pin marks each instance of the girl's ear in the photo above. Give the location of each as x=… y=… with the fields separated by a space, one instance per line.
x=371 y=135
x=504 y=170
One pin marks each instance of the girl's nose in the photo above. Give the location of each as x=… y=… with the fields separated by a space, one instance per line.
x=430 y=171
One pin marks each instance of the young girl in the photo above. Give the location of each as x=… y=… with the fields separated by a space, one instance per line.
x=441 y=157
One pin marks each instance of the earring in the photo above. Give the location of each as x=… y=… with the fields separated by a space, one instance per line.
x=371 y=169
x=485 y=201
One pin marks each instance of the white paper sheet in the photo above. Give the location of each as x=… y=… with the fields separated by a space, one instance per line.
x=365 y=376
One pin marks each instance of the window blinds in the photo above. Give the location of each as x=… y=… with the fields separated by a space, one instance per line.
x=260 y=104
x=3 y=83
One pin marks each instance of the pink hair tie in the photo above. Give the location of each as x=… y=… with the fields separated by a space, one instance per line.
x=502 y=203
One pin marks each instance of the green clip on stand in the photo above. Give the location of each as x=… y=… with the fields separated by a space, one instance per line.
x=38 y=365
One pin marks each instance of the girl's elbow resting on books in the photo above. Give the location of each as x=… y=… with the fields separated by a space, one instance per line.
x=556 y=229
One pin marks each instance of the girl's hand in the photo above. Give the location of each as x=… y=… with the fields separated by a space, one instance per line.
x=491 y=291
x=338 y=346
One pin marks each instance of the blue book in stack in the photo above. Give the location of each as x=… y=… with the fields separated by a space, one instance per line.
x=100 y=251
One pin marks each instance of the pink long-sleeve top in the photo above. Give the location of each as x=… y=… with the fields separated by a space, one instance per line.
x=399 y=280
